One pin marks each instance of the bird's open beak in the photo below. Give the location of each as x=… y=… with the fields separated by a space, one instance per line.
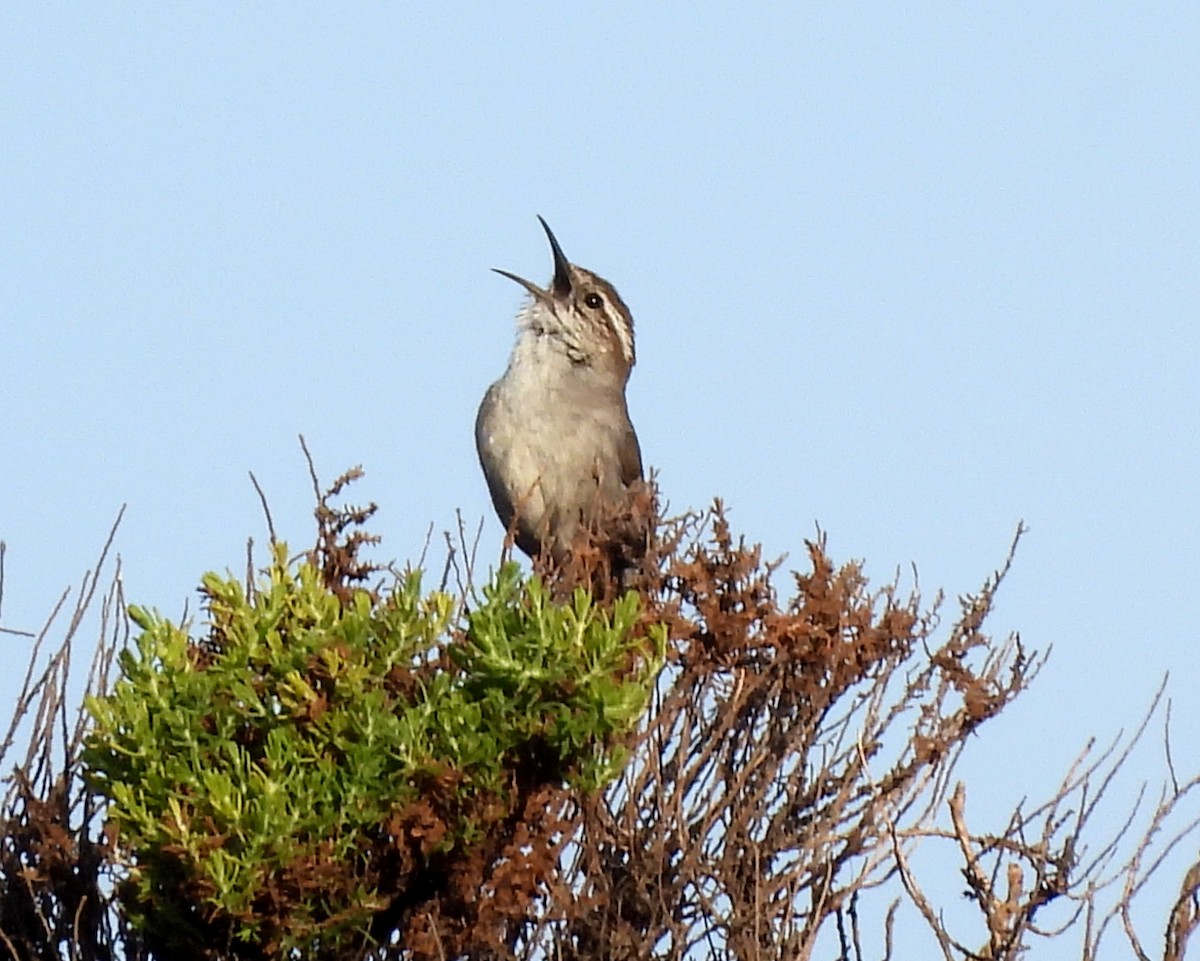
x=560 y=286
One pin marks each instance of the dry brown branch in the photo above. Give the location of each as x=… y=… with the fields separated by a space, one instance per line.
x=787 y=742
x=54 y=894
x=266 y=507
x=1041 y=859
x=341 y=533
x=913 y=889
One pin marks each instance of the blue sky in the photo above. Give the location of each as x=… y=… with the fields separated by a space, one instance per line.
x=911 y=275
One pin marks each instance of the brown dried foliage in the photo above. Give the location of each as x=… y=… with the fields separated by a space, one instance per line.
x=786 y=736
x=341 y=535
x=799 y=752
x=467 y=903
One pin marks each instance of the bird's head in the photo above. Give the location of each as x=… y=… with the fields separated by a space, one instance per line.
x=581 y=310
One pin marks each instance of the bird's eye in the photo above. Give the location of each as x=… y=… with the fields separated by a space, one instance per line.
x=593 y=300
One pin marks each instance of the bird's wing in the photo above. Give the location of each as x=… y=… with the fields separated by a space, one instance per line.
x=631 y=455
x=501 y=498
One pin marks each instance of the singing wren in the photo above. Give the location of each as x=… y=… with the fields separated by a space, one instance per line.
x=553 y=434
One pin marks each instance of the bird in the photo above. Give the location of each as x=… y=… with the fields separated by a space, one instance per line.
x=553 y=434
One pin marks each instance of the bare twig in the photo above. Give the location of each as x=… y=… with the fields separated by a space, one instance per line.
x=262 y=497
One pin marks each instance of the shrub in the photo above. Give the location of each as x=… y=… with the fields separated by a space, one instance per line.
x=322 y=765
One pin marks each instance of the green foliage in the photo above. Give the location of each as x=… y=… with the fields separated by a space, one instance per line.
x=564 y=674
x=278 y=783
